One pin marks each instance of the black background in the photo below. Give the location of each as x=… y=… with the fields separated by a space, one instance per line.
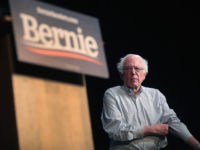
x=166 y=33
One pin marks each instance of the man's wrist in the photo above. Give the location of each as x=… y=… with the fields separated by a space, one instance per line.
x=192 y=141
x=147 y=130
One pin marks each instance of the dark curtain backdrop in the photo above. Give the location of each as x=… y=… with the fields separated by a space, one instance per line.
x=166 y=33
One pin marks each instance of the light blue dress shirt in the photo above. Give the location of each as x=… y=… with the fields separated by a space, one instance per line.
x=124 y=117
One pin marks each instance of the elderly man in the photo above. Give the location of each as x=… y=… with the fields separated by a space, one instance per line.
x=137 y=117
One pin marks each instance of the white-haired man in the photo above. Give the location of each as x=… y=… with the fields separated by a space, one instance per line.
x=137 y=117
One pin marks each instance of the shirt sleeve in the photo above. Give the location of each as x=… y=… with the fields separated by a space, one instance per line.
x=176 y=127
x=113 y=122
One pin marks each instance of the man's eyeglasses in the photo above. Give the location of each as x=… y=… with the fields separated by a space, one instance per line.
x=130 y=68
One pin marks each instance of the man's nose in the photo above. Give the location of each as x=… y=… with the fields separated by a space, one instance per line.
x=133 y=71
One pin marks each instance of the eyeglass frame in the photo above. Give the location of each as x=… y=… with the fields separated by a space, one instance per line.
x=130 y=68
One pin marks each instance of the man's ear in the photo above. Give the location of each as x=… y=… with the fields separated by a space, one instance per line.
x=145 y=75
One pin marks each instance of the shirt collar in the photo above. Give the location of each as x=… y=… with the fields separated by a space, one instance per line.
x=130 y=91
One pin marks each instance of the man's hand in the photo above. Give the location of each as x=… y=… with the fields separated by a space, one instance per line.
x=192 y=141
x=157 y=129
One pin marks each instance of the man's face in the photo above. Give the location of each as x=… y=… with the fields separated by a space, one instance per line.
x=134 y=73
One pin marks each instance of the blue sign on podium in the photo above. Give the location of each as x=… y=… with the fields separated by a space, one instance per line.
x=54 y=37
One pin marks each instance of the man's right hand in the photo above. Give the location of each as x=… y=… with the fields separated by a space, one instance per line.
x=157 y=129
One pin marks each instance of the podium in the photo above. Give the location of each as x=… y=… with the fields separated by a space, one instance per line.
x=40 y=108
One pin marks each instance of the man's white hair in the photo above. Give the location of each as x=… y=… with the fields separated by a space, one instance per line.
x=120 y=64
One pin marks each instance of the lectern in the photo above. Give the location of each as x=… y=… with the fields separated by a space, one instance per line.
x=40 y=108
x=44 y=103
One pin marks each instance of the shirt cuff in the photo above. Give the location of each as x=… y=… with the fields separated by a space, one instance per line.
x=139 y=133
